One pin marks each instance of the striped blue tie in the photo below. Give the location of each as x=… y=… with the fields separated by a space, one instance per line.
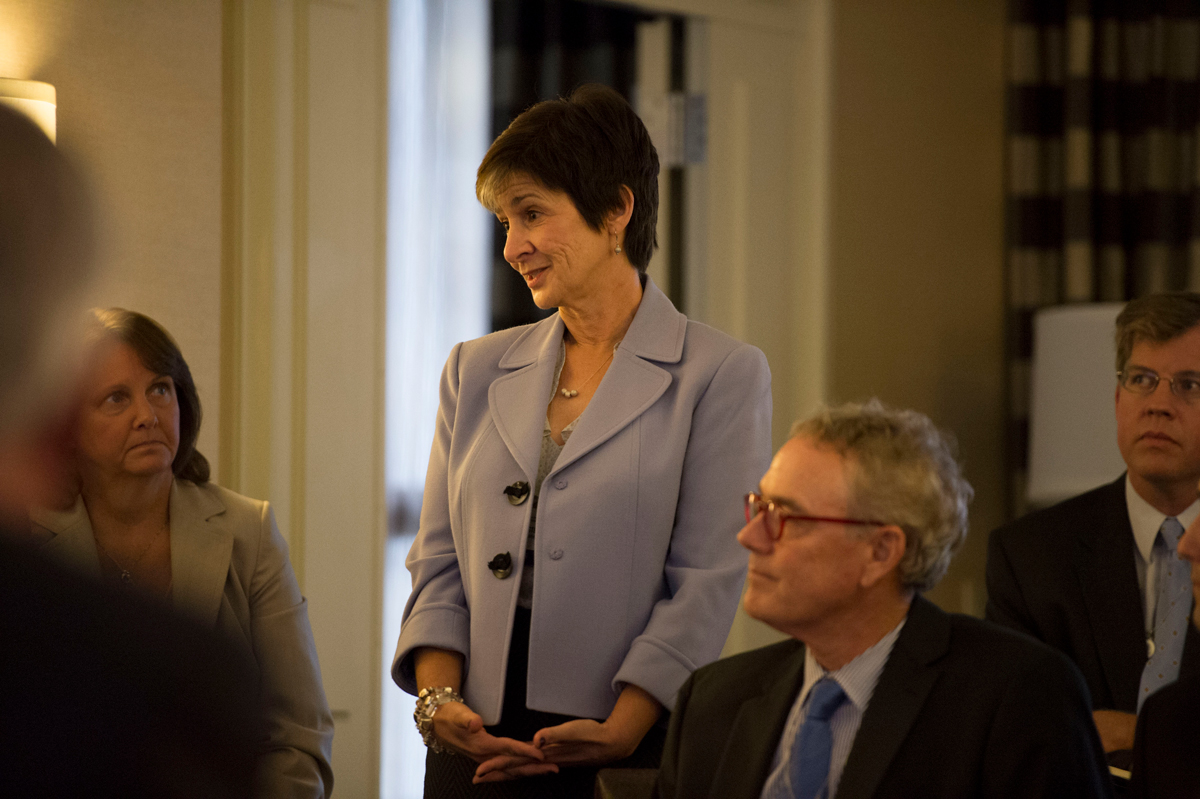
x=809 y=769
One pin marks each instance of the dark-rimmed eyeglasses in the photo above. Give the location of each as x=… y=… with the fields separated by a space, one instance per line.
x=1186 y=385
x=774 y=517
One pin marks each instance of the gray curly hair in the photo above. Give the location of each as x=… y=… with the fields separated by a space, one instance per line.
x=906 y=474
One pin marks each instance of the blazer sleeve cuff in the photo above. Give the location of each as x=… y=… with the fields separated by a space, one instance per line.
x=656 y=668
x=445 y=626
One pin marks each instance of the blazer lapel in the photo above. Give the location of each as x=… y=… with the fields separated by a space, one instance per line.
x=73 y=543
x=201 y=550
x=753 y=738
x=1108 y=580
x=909 y=674
x=518 y=400
x=630 y=387
x=633 y=383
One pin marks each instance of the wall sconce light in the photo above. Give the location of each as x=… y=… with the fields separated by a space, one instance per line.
x=35 y=99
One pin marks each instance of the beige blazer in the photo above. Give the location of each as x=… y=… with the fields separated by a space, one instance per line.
x=230 y=570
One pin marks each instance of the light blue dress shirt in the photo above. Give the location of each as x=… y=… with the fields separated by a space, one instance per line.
x=858 y=679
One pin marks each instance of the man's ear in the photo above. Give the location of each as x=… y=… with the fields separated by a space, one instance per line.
x=887 y=547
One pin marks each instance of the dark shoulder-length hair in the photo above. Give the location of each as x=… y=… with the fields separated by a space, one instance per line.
x=160 y=354
x=587 y=146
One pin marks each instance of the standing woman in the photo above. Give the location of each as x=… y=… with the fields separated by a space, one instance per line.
x=148 y=519
x=576 y=558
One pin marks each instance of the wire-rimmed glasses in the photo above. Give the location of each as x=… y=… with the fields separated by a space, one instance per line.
x=1185 y=385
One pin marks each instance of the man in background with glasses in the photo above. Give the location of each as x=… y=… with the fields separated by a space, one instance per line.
x=876 y=692
x=1099 y=577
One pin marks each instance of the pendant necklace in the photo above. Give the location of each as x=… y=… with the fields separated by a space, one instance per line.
x=570 y=393
x=126 y=577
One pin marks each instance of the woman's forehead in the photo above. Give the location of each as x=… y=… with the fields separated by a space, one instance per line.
x=519 y=185
x=113 y=353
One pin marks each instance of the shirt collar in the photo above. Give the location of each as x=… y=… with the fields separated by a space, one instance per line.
x=1145 y=519
x=859 y=676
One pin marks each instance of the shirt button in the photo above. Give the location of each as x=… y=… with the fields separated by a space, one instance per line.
x=556 y=554
x=560 y=483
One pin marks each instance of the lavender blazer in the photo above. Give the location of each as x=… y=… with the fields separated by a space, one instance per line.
x=638 y=568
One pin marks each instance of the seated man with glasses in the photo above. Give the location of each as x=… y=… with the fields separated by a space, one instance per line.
x=1098 y=576
x=876 y=692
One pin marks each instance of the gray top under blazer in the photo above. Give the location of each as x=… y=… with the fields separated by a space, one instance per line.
x=639 y=571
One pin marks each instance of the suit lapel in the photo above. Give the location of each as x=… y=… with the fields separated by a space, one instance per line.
x=633 y=383
x=910 y=673
x=753 y=738
x=1108 y=579
x=518 y=400
x=201 y=551
x=73 y=543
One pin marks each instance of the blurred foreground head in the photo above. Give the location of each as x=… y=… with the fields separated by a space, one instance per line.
x=45 y=260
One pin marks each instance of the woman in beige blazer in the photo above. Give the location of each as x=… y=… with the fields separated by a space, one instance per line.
x=146 y=518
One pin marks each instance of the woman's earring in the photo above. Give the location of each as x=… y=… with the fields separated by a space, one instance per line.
x=618 y=246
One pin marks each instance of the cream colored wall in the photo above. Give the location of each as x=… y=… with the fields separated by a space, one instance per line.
x=304 y=312
x=916 y=227
x=139 y=103
x=237 y=152
x=855 y=218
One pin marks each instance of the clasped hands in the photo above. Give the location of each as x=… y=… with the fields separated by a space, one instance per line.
x=581 y=742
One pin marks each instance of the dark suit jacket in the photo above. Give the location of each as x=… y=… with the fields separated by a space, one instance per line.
x=1067 y=575
x=103 y=695
x=962 y=709
x=1166 y=748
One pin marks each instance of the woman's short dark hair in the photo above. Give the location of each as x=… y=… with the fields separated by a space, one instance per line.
x=587 y=146
x=160 y=354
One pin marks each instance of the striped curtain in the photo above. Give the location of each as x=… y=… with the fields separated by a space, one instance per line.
x=1103 y=165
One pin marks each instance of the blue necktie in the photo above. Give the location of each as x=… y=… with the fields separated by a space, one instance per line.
x=1171 y=612
x=809 y=768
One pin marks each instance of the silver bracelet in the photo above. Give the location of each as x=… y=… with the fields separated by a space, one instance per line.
x=428 y=701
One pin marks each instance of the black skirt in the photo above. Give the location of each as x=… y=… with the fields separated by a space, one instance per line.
x=448 y=776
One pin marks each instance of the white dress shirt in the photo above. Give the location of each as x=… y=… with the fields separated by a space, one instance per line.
x=858 y=679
